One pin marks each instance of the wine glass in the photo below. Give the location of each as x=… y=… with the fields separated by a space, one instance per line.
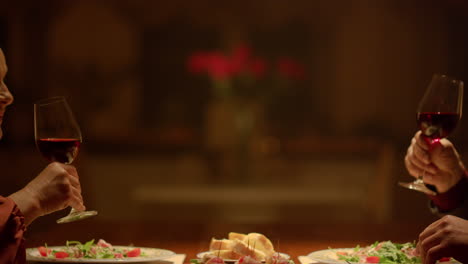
x=58 y=138
x=438 y=114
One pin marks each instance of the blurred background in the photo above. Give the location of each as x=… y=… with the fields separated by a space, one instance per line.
x=312 y=126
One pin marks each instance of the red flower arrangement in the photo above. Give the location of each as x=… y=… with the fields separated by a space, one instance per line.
x=232 y=72
x=222 y=67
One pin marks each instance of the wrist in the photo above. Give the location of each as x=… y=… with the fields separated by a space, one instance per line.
x=454 y=178
x=27 y=203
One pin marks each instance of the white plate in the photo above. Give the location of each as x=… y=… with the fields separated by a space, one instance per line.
x=328 y=256
x=201 y=254
x=151 y=254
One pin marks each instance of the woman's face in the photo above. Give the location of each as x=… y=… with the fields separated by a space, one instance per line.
x=6 y=98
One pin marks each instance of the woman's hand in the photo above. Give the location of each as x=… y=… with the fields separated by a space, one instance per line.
x=438 y=162
x=55 y=188
x=446 y=237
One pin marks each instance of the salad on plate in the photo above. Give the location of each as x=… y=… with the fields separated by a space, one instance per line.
x=91 y=250
x=386 y=252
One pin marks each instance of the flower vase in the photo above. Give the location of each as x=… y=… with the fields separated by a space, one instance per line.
x=230 y=130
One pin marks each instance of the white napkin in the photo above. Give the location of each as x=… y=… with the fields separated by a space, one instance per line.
x=306 y=260
x=176 y=259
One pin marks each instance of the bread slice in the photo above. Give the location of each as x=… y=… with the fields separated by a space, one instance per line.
x=233 y=236
x=220 y=244
x=260 y=242
x=254 y=245
x=244 y=249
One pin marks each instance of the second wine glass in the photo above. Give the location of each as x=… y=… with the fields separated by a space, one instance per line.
x=58 y=138
x=438 y=114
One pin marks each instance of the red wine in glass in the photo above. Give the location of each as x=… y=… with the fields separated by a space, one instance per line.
x=437 y=125
x=63 y=150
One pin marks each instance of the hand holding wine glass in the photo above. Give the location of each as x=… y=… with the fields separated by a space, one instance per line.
x=440 y=162
x=58 y=138
x=438 y=113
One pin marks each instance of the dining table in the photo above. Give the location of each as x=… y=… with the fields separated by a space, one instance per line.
x=190 y=238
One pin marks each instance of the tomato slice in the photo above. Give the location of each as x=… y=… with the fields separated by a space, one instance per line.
x=134 y=253
x=372 y=259
x=61 y=255
x=44 y=251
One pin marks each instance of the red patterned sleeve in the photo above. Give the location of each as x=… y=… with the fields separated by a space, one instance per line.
x=12 y=228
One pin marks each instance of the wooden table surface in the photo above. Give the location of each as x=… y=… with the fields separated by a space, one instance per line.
x=190 y=238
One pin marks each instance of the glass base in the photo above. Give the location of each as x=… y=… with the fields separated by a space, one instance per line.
x=75 y=216
x=418 y=185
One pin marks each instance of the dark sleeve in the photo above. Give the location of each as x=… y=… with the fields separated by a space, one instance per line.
x=454 y=201
x=12 y=228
